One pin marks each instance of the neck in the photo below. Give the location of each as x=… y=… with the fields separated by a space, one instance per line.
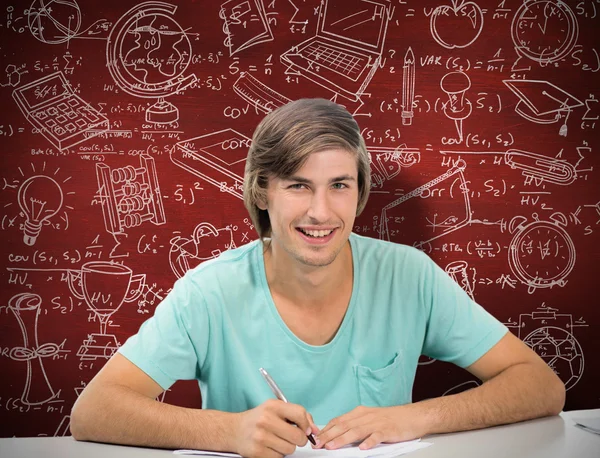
x=307 y=286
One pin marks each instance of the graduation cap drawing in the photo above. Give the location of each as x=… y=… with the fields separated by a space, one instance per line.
x=543 y=102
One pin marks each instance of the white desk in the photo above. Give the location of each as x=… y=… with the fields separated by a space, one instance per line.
x=553 y=437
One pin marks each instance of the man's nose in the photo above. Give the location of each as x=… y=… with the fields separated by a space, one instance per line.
x=319 y=208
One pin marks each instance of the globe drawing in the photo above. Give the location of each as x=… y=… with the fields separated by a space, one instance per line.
x=148 y=54
x=54 y=21
x=560 y=350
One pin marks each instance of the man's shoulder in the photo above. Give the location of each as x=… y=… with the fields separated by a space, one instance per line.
x=369 y=248
x=227 y=264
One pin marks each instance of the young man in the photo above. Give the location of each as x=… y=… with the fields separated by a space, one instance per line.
x=337 y=319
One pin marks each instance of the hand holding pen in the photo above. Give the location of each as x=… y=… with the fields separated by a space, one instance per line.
x=279 y=394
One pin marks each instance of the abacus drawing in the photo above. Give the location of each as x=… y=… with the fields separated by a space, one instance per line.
x=130 y=196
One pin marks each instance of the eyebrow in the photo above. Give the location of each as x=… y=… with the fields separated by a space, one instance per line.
x=300 y=179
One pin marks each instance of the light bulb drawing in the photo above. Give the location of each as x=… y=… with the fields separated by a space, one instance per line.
x=40 y=198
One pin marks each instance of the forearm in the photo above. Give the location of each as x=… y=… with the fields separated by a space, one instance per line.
x=516 y=394
x=119 y=415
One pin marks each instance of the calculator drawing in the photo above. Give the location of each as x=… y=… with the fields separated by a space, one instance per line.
x=60 y=115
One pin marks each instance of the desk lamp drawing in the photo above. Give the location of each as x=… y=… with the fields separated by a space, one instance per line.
x=438 y=225
x=542 y=102
x=51 y=106
x=347 y=49
x=147 y=55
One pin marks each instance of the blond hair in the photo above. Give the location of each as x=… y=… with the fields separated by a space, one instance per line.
x=285 y=138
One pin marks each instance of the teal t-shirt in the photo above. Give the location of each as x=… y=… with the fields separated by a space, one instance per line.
x=219 y=325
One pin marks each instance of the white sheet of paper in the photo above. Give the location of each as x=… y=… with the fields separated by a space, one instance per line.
x=380 y=451
x=590 y=424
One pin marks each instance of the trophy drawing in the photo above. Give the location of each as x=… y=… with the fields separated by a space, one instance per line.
x=104 y=287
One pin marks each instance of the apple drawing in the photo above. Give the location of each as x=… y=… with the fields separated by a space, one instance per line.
x=457 y=25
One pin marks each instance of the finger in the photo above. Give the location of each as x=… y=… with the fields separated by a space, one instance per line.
x=289 y=432
x=313 y=427
x=279 y=445
x=350 y=436
x=370 y=442
x=357 y=412
x=298 y=416
x=344 y=432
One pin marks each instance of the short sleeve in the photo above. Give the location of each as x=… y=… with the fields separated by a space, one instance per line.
x=171 y=344
x=458 y=329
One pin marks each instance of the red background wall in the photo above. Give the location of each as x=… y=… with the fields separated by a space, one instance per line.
x=510 y=207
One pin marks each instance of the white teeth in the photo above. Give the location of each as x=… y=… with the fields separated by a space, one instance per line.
x=317 y=233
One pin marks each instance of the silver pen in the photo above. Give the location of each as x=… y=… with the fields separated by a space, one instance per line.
x=279 y=394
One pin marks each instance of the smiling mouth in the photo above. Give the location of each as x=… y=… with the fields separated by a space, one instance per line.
x=316 y=234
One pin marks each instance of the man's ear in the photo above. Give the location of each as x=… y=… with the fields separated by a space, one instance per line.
x=262 y=204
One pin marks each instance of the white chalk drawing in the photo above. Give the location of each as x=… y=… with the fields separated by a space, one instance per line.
x=13 y=75
x=347 y=49
x=551 y=335
x=148 y=54
x=408 y=87
x=57 y=112
x=464 y=386
x=63 y=428
x=436 y=225
x=544 y=31
x=459 y=271
x=455 y=85
x=218 y=158
x=130 y=195
x=104 y=287
x=258 y=94
x=40 y=198
x=54 y=21
x=457 y=25
x=26 y=308
x=245 y=24
x=542 y=102
x=207 y=242
x=425 y=360
x=536 y=168
x=293 y=18
x=387 y=162
x=541 y=252
x=540 y=168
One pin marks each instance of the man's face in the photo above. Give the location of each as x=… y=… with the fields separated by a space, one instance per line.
x=312 y=212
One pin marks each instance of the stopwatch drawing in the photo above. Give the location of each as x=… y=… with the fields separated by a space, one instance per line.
x=544 y=30
x=541 y=253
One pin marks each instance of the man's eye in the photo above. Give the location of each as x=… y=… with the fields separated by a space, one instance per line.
x=296 y=186
x=339 y=185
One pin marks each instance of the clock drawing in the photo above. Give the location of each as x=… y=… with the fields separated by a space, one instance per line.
x=544 y=30
x=541 y=253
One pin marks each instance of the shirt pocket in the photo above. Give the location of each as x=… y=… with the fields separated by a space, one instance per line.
x=383 y=387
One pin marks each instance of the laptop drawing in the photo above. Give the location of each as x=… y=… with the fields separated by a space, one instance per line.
x=347 y=49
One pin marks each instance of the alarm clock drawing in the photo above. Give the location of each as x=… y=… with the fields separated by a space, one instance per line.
x=541 y=253
x=544 y=30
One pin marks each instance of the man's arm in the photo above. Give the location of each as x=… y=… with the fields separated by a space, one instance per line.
x=119 y=406
x=518 y=385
